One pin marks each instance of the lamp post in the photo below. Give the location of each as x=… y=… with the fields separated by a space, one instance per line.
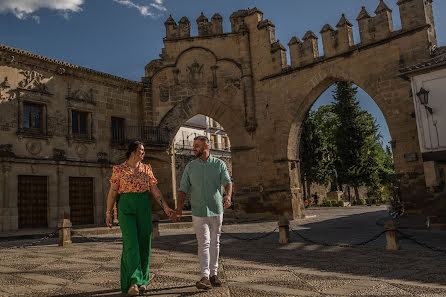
x=423 y=96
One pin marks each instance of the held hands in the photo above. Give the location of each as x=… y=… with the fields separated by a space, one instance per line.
x=176 y=214
x=226 y=201
x=170 y=213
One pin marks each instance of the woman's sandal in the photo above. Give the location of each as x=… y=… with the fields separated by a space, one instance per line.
x=133 y=291
x=142 y=288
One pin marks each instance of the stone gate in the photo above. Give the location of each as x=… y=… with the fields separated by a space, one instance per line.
x=244 y=81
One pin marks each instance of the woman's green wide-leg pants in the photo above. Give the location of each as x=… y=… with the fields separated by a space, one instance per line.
x=135 y=220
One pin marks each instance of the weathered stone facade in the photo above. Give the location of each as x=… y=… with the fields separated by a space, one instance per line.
x=51 y=150
x=241 y=79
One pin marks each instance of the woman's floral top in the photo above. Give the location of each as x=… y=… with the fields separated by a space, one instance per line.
x=129 y=182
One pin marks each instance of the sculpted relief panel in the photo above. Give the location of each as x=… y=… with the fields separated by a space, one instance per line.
x=219 y=79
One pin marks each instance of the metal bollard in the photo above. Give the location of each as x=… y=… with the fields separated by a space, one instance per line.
x=155 y=226
x=284 y=231
x=64 y=232
x=391 y=236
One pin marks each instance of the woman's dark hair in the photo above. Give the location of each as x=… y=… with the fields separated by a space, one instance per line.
x=132 y=147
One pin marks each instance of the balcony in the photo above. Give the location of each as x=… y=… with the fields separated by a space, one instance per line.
x=145 y=134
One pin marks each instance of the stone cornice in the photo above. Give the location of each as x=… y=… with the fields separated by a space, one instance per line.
x=62 y=67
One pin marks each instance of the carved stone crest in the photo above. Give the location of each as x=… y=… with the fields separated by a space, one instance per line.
x=81 y=150
x=6 y=93
x=195 y=73
x=34 y=81
x=33 y=147
x=164 y=93
x=81 y=95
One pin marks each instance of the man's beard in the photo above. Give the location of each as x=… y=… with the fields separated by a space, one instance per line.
x=198 y=153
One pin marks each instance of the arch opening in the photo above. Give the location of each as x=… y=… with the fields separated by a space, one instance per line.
x=342 y=164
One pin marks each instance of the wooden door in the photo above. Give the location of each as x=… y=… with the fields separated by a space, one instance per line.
x=81 y=200
x=32 y=201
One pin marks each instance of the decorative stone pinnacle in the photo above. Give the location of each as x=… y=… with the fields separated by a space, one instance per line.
x=294 y=40
x=217 y=16
x=202 y=18
x=326 y=28
x=184 y=20
x=363 y=14
x=344 y=22
x=382 y=7
x=309 y=35
x=170 y=21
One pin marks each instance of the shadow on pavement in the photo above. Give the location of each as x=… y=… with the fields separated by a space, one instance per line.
x=372 y=260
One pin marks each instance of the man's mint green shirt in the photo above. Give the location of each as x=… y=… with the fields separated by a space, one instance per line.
x=203 y=180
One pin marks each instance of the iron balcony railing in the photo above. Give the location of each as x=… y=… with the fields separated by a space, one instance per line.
x=189 y=145
x=146 y=134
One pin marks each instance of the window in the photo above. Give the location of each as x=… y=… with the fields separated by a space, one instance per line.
x=118 y=131
x=214 y=142
x=80 y=124
x=32 y=117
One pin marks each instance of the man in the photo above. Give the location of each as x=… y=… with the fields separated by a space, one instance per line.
x=203 y=178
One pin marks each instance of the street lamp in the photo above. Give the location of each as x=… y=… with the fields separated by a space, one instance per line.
x=423 y=96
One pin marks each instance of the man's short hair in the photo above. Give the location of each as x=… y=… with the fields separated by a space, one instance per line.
x=202 y=138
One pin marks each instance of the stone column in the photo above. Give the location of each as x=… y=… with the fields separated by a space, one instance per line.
x=173 y=173
x=247 y=83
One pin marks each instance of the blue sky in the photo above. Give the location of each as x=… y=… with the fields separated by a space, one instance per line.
x=121 y=36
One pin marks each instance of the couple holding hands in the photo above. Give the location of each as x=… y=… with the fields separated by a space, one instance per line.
x=202 y=178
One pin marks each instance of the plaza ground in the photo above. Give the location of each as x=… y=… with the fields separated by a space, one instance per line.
x=263 y=267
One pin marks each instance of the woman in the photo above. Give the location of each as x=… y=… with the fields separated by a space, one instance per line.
x=133 y=180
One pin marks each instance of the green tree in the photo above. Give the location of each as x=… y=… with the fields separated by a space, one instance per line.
x=317 y=147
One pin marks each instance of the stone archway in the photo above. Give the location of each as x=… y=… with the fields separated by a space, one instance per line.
x=243 y=80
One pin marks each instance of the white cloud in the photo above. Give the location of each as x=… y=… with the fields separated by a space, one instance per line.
x=24 y=8
x=158 y=6
x=145 y=10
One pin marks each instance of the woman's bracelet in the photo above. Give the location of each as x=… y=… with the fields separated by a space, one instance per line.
x=108 y=212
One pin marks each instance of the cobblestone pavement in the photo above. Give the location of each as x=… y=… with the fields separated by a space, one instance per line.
x=90 y=266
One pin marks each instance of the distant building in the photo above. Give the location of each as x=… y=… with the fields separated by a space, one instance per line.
x=429 y=97
x=203 y=125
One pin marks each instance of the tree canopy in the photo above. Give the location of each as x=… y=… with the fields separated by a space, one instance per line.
x=344 y=137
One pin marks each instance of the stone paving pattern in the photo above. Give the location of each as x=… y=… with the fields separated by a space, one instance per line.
x=90 y=267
